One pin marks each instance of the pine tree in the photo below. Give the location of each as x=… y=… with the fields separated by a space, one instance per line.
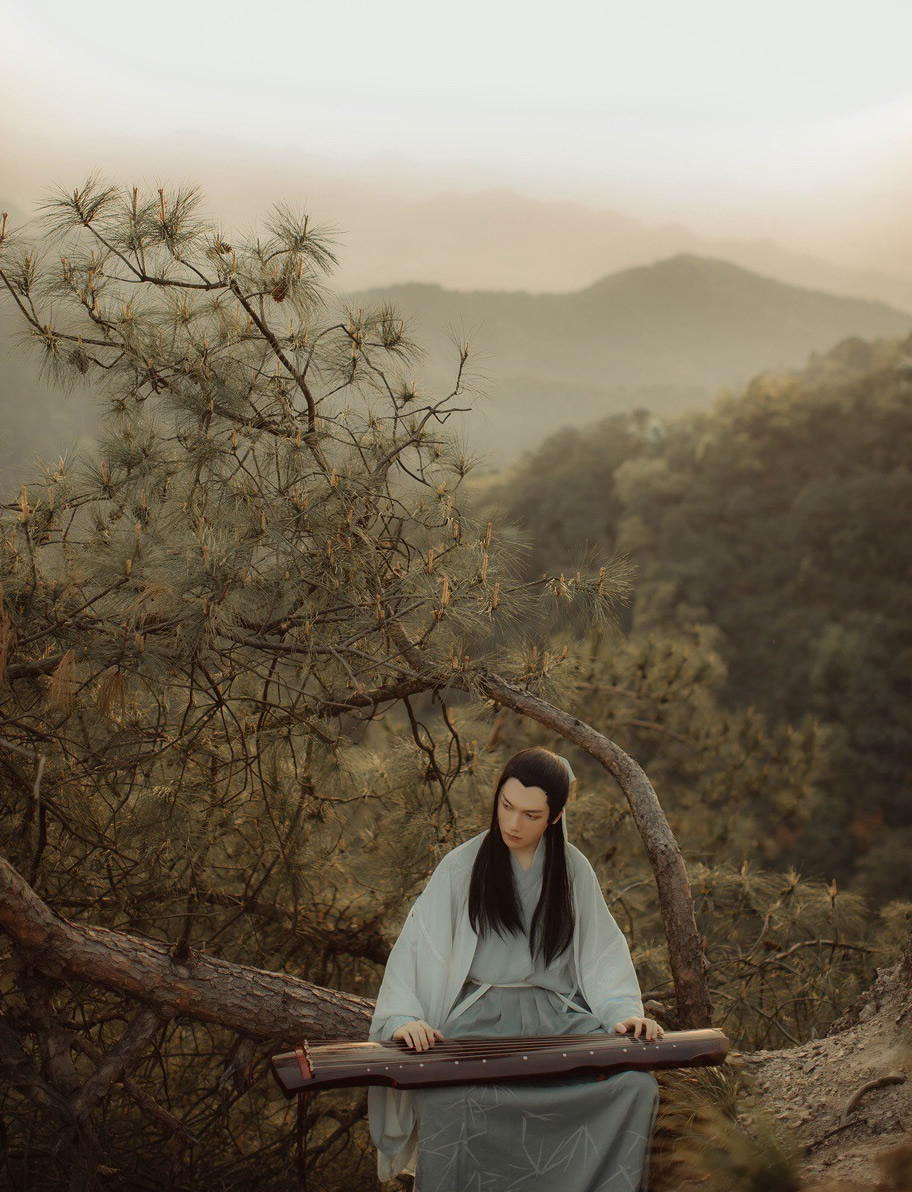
x=247 y=652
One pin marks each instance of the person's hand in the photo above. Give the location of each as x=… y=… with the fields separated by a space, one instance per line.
x=418 y=1035
x=640 y=1028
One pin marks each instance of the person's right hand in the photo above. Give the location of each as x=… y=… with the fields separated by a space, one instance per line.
x=418 y=1035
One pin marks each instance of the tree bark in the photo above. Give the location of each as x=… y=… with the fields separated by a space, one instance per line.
x=252 y=1001
x=688 y=967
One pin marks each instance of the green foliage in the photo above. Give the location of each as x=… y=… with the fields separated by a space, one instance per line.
x=894 y=931
x=705 y=1139
x=776 y=523
x=699 y=1141
x=785 y=954
x=726 y=1157
x=724 y=773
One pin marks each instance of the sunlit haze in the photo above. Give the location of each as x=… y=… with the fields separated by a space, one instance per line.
x=786 y=120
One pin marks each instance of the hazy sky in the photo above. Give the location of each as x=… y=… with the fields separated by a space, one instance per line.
x=704 y=107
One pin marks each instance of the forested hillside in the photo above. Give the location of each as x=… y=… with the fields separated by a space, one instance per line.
x=666 y=336
x=779 y=522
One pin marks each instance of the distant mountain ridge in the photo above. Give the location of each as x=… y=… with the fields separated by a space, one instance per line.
x=496 y=240
x=663 y=336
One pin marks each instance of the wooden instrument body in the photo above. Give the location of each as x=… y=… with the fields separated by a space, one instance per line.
x=489 y=1060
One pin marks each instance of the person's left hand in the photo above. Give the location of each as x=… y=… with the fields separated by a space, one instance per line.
x=640 y=1028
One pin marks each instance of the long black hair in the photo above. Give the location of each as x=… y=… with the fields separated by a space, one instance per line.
x=493 y=902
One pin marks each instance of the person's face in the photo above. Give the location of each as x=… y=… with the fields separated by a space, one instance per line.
x=522 y=815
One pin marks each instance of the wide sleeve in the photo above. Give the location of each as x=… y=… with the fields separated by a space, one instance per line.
x=606 y=974
x=397 y=999
x=417 y=968
x=413 y=986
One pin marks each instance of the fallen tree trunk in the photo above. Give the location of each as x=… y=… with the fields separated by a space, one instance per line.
x=248 y=1000
x=693 y=1005
x=139 y=966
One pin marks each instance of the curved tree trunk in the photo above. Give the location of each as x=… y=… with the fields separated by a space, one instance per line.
x=688 y=966
x=694 y=1008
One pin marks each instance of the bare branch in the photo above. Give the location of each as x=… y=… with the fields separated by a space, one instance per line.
x=119 y=1060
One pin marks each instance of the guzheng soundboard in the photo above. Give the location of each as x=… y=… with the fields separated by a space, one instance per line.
x=309 y=1069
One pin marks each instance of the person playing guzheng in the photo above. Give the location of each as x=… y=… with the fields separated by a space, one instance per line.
x=512 y=937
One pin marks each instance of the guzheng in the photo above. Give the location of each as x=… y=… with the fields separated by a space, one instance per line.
x=488 y=1060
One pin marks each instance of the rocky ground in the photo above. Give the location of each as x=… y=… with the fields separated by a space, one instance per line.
x=848 y=1096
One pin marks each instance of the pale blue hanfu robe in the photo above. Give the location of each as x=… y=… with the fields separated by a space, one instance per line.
x=576 y=1135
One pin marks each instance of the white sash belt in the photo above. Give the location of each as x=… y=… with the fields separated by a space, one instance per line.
x=484 y=986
